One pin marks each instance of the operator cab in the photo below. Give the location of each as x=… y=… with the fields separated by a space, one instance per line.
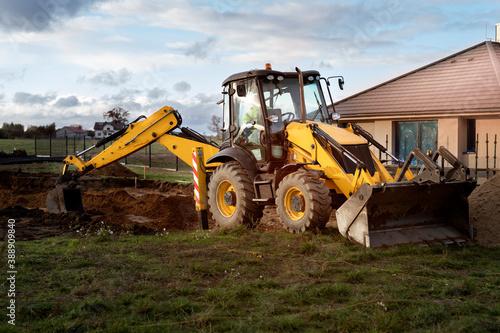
x=260 y=103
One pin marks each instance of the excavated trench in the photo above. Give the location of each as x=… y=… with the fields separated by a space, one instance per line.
x=121 y=204
x=114 y=203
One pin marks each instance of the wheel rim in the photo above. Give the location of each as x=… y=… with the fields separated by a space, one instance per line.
x=226 y=198
x=294 y=203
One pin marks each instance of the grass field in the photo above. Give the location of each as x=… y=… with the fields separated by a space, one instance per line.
x=248 y=281
x=160 y=156
x=151 y=173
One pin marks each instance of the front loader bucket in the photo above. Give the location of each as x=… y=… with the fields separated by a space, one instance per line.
x=64 y=199
x=406 y=212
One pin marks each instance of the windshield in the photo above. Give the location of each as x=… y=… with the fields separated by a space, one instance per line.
x=284 y=97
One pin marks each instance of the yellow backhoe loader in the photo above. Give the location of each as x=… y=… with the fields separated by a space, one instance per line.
x=281 y=147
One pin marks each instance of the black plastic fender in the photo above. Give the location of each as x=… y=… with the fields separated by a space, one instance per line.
x=240 y=155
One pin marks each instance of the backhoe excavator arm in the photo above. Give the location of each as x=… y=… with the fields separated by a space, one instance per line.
x=191 y=147
x=135 y=137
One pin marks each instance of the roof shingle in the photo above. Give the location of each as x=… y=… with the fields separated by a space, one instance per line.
x=465 y=82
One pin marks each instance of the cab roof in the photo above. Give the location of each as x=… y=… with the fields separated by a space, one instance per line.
x=265 y=72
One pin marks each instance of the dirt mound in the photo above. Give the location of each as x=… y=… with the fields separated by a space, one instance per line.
x=114 y=170
x=112 y=204
x=484 y=212
x=107 y=199
x=27 y=199
x=15 y=153
x=36 y=224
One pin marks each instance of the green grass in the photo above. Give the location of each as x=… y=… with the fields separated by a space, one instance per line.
x=163 y=175
x=151 y=173
x=58 y=147
x=51 y=167
x=161 y=157
x=249 y=281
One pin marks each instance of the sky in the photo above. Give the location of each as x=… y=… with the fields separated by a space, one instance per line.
x=69 y=61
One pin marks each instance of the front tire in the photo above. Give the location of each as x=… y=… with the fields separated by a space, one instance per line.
x=230 y=197
x=303 y=202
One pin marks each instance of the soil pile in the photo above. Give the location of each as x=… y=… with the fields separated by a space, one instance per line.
x=114 y=169
x=152 y=211
x=36 y=224
x=15 y=153
x=112 y=204
x=484 y=212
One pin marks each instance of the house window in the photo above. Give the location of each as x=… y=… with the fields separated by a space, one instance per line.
x=471 y=135
x=411 y=134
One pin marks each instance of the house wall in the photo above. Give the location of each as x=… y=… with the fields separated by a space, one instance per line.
x=64 y=133
x=490 y=126
x=67 y=133
x=452 y=134
x=381 y=131
x=106 y=131
x=447 y=135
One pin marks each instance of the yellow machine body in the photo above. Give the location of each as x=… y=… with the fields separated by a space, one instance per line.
x=292 y=155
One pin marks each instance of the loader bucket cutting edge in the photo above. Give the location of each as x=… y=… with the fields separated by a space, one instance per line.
x=402 y=213
x=64 y=199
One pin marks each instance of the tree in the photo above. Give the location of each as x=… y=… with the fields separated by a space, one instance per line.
x=215 y=126
x=40 y=131
x=13 y=130
x=118 y=115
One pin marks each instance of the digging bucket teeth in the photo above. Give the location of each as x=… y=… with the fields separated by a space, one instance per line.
x=406 y=212
x=65 y=198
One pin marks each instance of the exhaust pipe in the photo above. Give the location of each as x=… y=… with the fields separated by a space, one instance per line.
x=302 y=99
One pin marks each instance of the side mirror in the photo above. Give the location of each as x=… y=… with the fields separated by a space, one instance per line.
x=341 y=83
x=241 y=90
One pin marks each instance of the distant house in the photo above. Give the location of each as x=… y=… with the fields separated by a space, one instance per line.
x=105 y=129
x=71 y=132
x=446 y=103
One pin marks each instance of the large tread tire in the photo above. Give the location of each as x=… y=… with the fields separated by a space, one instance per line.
x=230 y=197
x=303 y=202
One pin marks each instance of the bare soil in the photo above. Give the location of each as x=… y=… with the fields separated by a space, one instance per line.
x=148 y=207
x=113 y=170
x=484 y=212
x=116 y=204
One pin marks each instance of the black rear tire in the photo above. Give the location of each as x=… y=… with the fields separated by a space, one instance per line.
x=230 y=197
x=303 y=202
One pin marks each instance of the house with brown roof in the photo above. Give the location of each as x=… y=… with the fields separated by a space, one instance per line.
x=71 y=132
x=105 y=129
x=445 y=103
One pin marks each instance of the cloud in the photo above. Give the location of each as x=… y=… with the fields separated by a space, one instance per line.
x=157 y=93
x=38 y=15
x=30 y=99
x=127 y=99
x=13 y=75
x=117 y=39
x=200 y=49
x=109 y=78
x=67 y=102
x=124 y=94
x=182 y=87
